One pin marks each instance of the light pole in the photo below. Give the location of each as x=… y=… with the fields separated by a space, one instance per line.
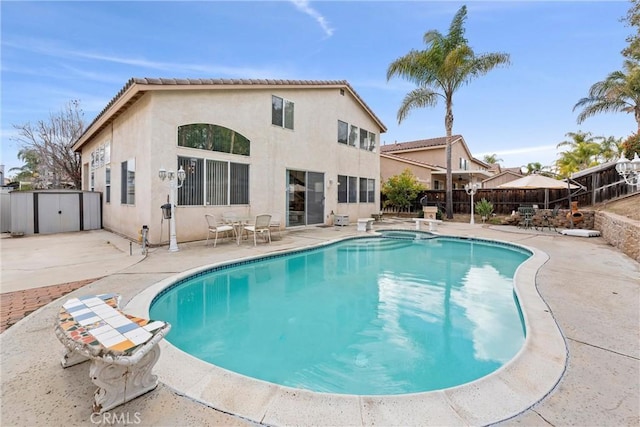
x=471 y=189
x=629 y=169
x=171 y=175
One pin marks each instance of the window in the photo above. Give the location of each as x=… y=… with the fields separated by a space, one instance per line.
x=347 y=189
x=367 y=190
x=211 y=137
x=436 y=184
x=464 y=164
x=93 y=181
x=107 y=184
x=353 y=136
x=191 y=192
x=213 y=183
x=128 y=182
x=343 y=132
x=364 y=139
x=372 y=142
x=281 y=112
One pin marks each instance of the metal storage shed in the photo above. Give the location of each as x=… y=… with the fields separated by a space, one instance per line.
x=55 y=211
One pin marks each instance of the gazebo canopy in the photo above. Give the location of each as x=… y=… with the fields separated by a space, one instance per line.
x=536 y=181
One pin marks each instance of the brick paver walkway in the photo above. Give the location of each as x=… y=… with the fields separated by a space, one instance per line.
x=16 y=305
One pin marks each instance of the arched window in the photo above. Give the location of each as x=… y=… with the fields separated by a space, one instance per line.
x=210 y=137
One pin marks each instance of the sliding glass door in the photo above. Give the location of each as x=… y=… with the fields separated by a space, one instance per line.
x=305 y=198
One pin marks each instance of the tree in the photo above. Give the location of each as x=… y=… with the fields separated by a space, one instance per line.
x=633 y=19
x=439 y=71
x=610 y=149
x=52 y=143
x=584 y=153
x=534 y=167
x=29 y=170
x=492 y=159
x=619 y=92
x=402 y=190
x=631 y=146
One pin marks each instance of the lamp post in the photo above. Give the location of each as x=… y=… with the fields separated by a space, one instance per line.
x=629 y=169
x=471 y=189
x=171 y=175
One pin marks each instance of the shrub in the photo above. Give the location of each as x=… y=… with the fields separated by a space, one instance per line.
x=484 y=208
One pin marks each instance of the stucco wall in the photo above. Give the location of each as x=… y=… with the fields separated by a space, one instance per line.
x=621 y=232
x=147 y=131
x=390 y=167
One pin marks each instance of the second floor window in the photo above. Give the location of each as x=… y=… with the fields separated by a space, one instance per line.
x=210 y=137
x=343 y=132
x=281 y=112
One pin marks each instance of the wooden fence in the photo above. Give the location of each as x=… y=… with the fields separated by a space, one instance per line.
x=598 y=186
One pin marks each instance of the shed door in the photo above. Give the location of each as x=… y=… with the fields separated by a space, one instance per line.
x=58 y=213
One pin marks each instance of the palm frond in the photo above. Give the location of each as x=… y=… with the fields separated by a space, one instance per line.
x=417 y=98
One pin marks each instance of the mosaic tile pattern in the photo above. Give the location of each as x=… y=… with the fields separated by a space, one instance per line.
x=95 y=320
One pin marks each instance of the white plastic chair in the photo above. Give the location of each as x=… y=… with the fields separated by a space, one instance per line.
x=216 y=228
x=276 y=222
x=261 y=226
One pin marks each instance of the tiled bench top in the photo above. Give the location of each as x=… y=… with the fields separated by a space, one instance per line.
x=96 y=325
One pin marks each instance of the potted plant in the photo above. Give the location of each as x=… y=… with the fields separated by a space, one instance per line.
x=484 y=208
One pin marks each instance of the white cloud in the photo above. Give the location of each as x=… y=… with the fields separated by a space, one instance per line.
x=523 y=150
x=303 y=6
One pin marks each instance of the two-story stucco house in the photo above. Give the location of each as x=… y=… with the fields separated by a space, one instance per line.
x=301 y=149
x=426 y=159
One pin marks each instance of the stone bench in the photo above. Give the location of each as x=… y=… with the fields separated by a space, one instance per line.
x=433 y=223
x=365 y=224
x=123 y=349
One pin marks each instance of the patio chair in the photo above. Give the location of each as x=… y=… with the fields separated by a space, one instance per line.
x=549 y=219
x=216 y=228
x=276 y=222
x=261 y=226
x=526 y=216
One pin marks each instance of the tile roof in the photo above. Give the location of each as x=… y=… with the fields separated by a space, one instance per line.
x=137 y=85
x=421 y=143
x=410 y=160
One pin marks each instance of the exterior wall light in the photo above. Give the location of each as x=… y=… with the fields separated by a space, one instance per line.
x=629 y=169
x=164 y=174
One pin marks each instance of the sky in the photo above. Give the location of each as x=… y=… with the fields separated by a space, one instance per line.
x=55 y=52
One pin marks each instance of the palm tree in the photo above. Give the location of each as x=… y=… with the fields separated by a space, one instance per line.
x=438 y=72
x=534 y=167
x=31 y=165
x=492 y=159
x=619 y=92
x=610 y=149
x=583 y=153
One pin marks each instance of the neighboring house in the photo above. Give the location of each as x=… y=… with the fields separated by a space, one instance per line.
x=507 y=175
x=426 y=158
x=301 y=149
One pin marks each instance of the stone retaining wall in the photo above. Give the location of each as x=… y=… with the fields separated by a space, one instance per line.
x=620 y=232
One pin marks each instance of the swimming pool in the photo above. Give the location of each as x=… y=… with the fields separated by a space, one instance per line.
x=512 y=389
x=402 y=313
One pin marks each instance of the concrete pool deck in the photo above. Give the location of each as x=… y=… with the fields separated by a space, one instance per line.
x=591 y=289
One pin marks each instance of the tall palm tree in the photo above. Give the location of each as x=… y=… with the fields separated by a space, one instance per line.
x=438 y=72
x=619 y=92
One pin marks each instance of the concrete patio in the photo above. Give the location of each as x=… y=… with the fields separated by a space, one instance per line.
x=591 y=289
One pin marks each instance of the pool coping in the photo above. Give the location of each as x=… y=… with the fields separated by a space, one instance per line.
x=517 y=386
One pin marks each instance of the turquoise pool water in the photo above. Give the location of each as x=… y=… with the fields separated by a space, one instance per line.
x=367 y=316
